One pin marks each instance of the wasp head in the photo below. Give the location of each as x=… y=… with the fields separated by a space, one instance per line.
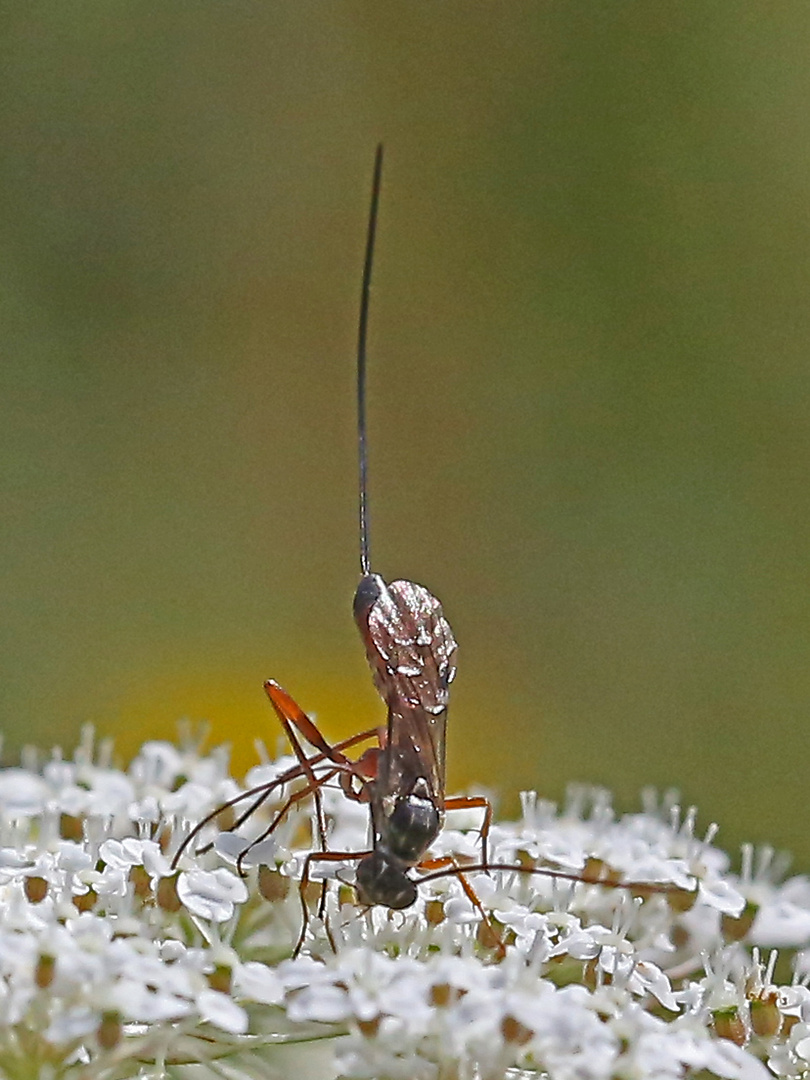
x=381 y=879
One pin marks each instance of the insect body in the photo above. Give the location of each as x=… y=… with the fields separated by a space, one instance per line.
x=411 y=651
x=410 y=648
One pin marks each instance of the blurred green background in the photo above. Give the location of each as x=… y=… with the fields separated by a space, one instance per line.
x=589 y=398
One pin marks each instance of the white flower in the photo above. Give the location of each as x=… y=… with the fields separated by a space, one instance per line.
x=221 y=1010
x=115 y=945
x=211 y=894
x=259 y=983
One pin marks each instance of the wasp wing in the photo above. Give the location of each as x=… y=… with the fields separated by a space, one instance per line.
x=411 y=650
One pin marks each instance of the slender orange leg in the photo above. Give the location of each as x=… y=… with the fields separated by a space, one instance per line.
x=452 y=867
x=291 y=714
x=292 y=717
x=473 y=802
x=296 y=797
x=263 y=792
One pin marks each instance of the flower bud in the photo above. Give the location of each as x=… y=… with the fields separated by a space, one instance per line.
x=729 y=1025
x=736 y=929
x=109 y=1031
x=44 y=971
x=36 y=889
x=273 y=885
x=167 y=898
x=85 y=901
x=766 y=1018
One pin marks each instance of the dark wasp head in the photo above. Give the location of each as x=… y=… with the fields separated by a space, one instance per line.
x=381 y=879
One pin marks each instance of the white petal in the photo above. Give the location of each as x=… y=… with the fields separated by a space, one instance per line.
x=257 y=982
x=781 y=925
x=222 y=1011
x=722 y=896
x=656 y=983
x=211 y=894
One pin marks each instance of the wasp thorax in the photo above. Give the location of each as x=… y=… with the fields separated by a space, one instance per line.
x=381 y=880
x=411 y=827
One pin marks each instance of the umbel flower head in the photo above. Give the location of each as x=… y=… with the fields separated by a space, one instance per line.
x=116 y=963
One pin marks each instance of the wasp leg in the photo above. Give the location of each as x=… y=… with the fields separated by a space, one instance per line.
x=320 y=856
x=473 y=802
x=451 y=867
x=292 y=717
x=282 y=813
x=262 y=792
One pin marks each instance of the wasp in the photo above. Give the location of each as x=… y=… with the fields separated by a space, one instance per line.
x=411 y=651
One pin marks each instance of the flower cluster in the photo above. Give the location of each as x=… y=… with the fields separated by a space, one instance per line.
x=602 y=946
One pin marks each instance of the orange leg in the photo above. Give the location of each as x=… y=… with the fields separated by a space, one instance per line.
x=292 y=715
x=293 y=718
x=451 y=867
x=473 y=802
x=263 y=792
x=296 y=797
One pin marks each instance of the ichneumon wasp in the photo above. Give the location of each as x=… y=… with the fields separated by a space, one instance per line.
x=401 y=776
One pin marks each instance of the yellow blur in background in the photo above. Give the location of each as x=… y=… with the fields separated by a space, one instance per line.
x=589 y=389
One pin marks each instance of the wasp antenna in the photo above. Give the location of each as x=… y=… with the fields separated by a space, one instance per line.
x=362 y=448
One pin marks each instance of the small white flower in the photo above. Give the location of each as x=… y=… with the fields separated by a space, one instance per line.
x=22 y=795
x=125 y=854
x=236 y=849
x=259 y=983
x=722 y=896
x=222 y=1011
x=648 y=978
x=211 y=894
x=108 y=948
x=139 y=1002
